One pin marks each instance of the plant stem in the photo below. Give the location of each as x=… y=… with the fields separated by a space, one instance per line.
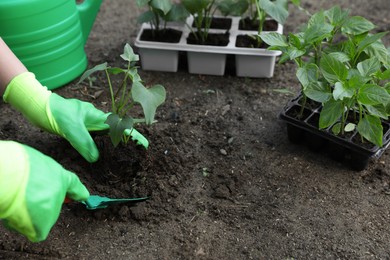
x=261 y=15
x=344 y=119
x=123 y=81
x=127 y=108
x=123 y=100
x=157 y=19
x=360 y=118
x=304 y=98
x=113 y=105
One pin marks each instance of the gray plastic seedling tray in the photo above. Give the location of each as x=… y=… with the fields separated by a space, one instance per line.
x=164 y=56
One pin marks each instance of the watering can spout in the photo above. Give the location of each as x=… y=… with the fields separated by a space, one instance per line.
x=87 y=12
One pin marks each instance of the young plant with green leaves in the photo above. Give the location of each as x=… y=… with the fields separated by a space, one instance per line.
x=233 y=7
x=343 y=66
x=130 y=92
x=160 y=12
x=277 y=10
x=203 y=12
x=256 y=12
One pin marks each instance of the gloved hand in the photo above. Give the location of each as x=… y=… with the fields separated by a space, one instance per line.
x=32 y=189
x=69 y=118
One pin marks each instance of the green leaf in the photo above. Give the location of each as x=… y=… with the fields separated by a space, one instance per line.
x=274 y=39
x=284 y=58
x=368 y=40
x=368 y=67
x=350 y=127
x=330 y=113
x=340 y=56
x=308 y=73
x=128 y=54
x=357 y=25
x=336 y=16
x=336 y=128
x=196 y=6
x=87 y=73
x=296 y=40
x=177 y=13
x=356 y=80
x=317 y=19
x=317 y=92
x=275 y=9
x=340 y=92
x=378 y=50
x=294 y=53
x=149 y=98
x=371 y=94
x=332 y=69
x=116 y=70
x=234 y=8
x=141 y=3
x=385 y=75
x=317 y=32
x=133 y=73
x=118 y=126
x=349 y=48
x=378 y=110
x=296 y=2
x=284 y=91
x=370 y=127
x=163 y=5
x=145 y=17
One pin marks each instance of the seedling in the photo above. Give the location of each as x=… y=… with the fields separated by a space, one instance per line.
x=130 y=92
x=233 y=7
x=203 y=12
x=344 y=67
x=160 y=12
x=257 y=11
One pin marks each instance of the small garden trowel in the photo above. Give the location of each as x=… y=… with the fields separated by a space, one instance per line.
x=99 y=202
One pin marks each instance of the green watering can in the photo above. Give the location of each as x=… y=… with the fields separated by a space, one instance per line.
x=48 y=36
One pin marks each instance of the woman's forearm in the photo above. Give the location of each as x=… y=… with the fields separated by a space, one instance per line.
x=10 y=66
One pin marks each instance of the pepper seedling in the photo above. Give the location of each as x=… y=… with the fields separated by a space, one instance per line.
x=257 y=11
x=345 y=67
x=159 y=13
x=130 y=92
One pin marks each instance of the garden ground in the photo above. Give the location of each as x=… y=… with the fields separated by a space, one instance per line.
x=224 y=181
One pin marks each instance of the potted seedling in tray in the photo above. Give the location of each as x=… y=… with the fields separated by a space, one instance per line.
x=202 y=19
x=256 y=16
x=201 y=33
x=129 y=93
x=165 y=21
x=205 y=55
x=344 y=72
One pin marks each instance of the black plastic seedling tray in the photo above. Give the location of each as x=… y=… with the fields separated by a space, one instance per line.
x=344 y=149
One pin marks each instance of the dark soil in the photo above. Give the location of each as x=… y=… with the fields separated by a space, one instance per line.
x=248 y=24
x=223 y=179
x=250 y=41
x=167 y=35
x=213 y=39
x=218 y=23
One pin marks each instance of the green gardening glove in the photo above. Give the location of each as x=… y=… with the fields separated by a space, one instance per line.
x=32 y=189
x=70 y=118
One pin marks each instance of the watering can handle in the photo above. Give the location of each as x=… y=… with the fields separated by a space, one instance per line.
x=88 y=10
